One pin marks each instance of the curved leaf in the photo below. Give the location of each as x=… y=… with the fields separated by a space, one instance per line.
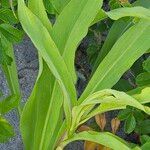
x=12 y=34
x=6 y=130
x=117 y=30
x=7 y=16
x=47 y=48
x=37 y=7
x=71 y=26
x=103 y=138
x=132 y=44
x=139 y=12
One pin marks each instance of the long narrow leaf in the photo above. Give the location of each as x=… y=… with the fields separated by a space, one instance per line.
x=139 y=12
x=37 y=7
x=132 y=45
x=116 y=31
x=47 y=48
x=103 y=138
x=71 y=26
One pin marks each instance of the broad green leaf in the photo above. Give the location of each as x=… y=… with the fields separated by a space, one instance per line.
x=130 y=124
x=36 y=123
x=6 y=3
x=37 y=7
x=146 y=65
x=115 y=14
x=46 y=128
x=56 y=98
x=101 y=15
x=59 y=4
x=143 y=3
x=143 y=127
x=116 y=31
x=49 y=7
x=9 y=103
x=105 y=100
x=73 y=25
x=103 y=138
x=142 y=94
x=124 y=114
x=118 y=28
x=62 y=23
x=132 y=44
x=12 y=34
x=114 y=4
x=7 y=16
x=144 y=139
x=146 y=146
x=47 y=49
x=139 y=12
x=143 y=79
x=6 y=130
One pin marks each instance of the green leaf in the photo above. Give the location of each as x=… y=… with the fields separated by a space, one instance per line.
x=103 y=101
x=146 y=146
x=116 y=31
x=7 y=16
x=35 y=120
x=123 y=85
x=55 y=93
x=139 y=12
x=10 y=70
x=47 y=49
x=6 y=130
x=146 y=65
x=49 y=7
x=124 y=114
x=144 y=139
x=112 y=141
x=143 y=127
x=114 y=4
x=118 y=28
x=59 y=4
x=6 y=3
x=5 y=59
x=101 y=15
x=142 y=94
x=9 y=103
x=49 y=52
x=76 y=27
x=143 y=3
x=132 y=44
x=139 y=115
x=37 y=7
x=137 y=67
x=130 y=124
x=12 y=34
x=92 y=52
x=143 y=79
